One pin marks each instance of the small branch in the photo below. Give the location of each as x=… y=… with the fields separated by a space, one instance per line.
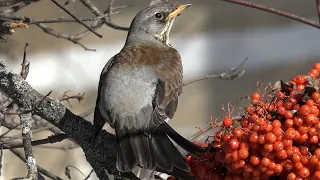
x=71 y=38
x=25 y=65
x=87 y=113
x=67 y=171
x=66 y=97
x=98 y=13
x=89 y=175
x=78 y=20
x=8 y=131
x=62 y=20
x=230 y=74
x=318 y=8
x=49 y=140
x=25 y=121
x=1 y=155
x=40 y=169
x=275 y=11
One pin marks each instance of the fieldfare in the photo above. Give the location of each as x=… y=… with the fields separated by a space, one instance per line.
x=138 y=93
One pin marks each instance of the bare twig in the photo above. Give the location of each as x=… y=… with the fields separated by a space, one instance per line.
x=68 y=173
x=40 y=169
x=8 y=131
x=87 y=113
x=230 y=74
x=78 y=20
x=25 y=121
x=49 y=140
x=50 y=31
x=89 y=175
x=25 y=65
x=275 y=11
x=62 y=20
x=98 y=13
x=10 y=20
x=66 y=97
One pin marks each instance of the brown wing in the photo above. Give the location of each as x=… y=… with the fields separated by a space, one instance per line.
x=169 y=87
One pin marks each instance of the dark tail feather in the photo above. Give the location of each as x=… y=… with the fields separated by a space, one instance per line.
x=181 y=141
x=156 y=152
x=98 y=123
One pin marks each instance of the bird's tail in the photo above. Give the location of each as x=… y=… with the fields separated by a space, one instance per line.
x=154 y=152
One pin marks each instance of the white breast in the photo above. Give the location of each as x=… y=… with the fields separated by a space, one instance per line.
x=126 y=91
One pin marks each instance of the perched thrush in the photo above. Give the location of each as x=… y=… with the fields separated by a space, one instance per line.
x=138 y=93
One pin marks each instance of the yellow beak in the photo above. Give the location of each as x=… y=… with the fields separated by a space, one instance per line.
x=177 y=11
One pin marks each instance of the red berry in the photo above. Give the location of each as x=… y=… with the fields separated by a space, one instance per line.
x=234 y=144
x=227 y=121
x=304 y=110
x=256 y=96
x=255 y=160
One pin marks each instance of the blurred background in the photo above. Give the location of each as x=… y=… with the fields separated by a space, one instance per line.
x=212 y=36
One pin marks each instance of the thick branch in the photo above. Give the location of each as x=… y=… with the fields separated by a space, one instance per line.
x=102 y=156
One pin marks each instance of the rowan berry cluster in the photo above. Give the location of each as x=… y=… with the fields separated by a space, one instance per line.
x=276 y=137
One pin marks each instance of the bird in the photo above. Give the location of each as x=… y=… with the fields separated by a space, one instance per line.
x=138 y=94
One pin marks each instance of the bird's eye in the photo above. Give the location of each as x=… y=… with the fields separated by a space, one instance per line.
x=158 y=15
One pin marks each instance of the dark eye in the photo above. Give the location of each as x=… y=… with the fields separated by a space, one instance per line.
x=158 y=15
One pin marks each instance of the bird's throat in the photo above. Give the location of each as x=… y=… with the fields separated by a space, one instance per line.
x=164 y=36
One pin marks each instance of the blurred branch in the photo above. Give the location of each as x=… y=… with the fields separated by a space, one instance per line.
x=78 y=20
x=318 y=8
x=67 y=171
x=66 y=97
x=9 y=20
x=63 y=20
x=6 y=3
x=230 y=74
x=276 y=11
x=106 y=15
x=89 y=175
x=71 y=38
x=40 y=169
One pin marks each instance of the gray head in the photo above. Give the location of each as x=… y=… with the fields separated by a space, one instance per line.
x=154 y=23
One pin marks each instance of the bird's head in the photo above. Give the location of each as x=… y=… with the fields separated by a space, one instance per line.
x=155 y=22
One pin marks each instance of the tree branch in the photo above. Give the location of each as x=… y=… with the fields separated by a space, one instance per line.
x=98 y=13
x=275 y=11
x=40 y=169
x=101 y=156
x=230 y=74
x=78 y=20
x=49 y=140
x=25 y=121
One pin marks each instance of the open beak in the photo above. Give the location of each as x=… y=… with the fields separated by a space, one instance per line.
x=177 y=11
